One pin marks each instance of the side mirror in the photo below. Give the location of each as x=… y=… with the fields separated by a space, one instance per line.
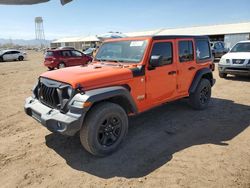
x=155 y=61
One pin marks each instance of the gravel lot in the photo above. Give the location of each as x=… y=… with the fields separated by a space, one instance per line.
x=170 y=146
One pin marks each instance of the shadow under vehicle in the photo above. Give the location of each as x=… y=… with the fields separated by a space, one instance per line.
x=155 y=136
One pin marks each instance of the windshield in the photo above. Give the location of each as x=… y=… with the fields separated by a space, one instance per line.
x=122 y=51
x=241 y=47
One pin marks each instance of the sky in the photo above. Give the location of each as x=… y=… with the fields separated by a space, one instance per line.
x=92 y=17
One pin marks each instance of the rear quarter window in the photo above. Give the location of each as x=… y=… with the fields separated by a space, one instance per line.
x=202 y=50
x=49 y=54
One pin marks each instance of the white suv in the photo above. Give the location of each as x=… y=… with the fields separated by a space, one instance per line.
x=10 y=55
x=236 y=61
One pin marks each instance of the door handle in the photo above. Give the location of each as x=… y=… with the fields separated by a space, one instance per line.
x=191 y=68
x=172 y=73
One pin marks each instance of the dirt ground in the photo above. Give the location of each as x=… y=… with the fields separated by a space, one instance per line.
x=170 y=146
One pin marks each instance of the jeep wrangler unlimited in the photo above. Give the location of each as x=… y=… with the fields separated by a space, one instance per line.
x=127 y=76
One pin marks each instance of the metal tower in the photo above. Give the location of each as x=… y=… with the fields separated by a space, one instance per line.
x=39 y=30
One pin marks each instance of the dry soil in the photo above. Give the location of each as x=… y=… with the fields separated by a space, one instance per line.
x=170 y=146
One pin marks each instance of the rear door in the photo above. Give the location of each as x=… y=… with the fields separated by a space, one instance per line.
x=66 y=57
x=161 y=81
x=7 y=56
x=186 y=64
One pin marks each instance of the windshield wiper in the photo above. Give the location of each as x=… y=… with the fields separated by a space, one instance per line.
x=100 y=60
x=117 y=61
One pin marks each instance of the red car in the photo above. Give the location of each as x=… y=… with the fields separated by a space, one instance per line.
x=60 y=58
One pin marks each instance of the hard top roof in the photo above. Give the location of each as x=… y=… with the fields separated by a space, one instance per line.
x=160 y=37
x=163 y=37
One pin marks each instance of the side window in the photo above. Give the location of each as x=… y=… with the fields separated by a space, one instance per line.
x=186 y=51
x=66 y=53
x=217 y=46
x=222 y=45
x=76 y=53
x=163 y=49
x=202 y=50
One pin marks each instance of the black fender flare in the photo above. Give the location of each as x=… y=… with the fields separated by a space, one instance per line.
x=107 y=93
x=202 y=73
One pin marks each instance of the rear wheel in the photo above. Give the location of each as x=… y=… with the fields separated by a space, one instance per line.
x=104 y=128
x=199 y=100
x=20 y=58
x=1 y=59
x=61 y=65
x=222 y=75
x=51 y=68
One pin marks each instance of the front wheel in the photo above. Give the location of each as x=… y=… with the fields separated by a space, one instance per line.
x=104 y=128
x=222 y=75
x=20 y=58
x=199 y=100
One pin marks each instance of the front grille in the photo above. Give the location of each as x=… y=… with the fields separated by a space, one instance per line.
x=238 y=61
x=49 y=96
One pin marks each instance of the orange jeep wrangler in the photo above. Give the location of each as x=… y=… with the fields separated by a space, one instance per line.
x=128 y=76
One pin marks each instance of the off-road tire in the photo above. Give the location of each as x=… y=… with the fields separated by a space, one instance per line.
x=61 y=65
x=20 y=58
x=222 y=75
x=199 y=100
x=95 y=124
x=1 y=59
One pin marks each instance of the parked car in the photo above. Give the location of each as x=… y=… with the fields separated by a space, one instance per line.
x=127 y=77
x=12 y=55
x=218 y=49
x=60 y=58
x=89 y=51
x=237 y=61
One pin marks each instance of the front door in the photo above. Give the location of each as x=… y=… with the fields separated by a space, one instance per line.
x=77 y=57
x=186 y=64
x=161 y=80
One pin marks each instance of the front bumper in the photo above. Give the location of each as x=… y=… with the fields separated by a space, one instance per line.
x=235 y=70
x=55 y=121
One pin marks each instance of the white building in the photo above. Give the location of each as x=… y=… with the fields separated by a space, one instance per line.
x=79 y=43
x=229 y=33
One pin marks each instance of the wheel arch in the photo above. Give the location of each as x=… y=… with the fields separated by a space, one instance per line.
x=116 y=94
x=202 y=73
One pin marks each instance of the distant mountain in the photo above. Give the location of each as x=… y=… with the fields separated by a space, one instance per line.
x=23 y=42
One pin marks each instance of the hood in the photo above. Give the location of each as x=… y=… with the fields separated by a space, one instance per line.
x=91 y=76
x=237 y=55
